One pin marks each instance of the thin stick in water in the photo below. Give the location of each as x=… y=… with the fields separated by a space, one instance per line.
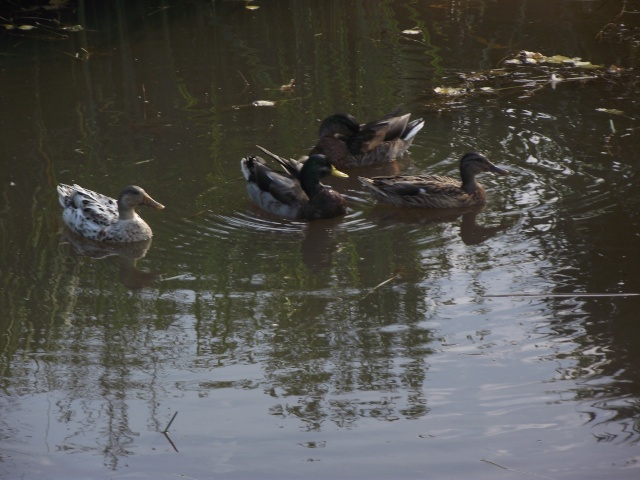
x=516 y=471
x=380 y=285
x=170 y=422
x=561 y=295
x=243 y=77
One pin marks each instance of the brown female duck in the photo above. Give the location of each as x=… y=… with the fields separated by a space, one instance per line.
x=433 y=191
x=348 y=144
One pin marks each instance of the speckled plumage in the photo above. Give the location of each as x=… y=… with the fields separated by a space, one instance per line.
x=98 y=217
x=296 y=194
x=433 y=191
x=348 y=144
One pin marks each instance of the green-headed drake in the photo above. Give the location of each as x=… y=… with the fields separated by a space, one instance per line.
x=348 y=144
x=297 y=193
x=98 y=217
x=433 y=191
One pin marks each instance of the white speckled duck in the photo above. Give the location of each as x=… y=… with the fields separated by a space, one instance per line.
x=98 y=217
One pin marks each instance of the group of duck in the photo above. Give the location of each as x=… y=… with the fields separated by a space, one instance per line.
x=296 y=192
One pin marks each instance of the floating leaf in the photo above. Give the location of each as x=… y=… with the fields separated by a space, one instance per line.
x=534 y=58
x=587 y=65
x=27 y=27
x=289 y=86
x=537 y=56
x=56 y=4
x=73 y=28
x=558 y=59
x=612 y=111
x=251 y=7
x=452 y=91
x=263 y=103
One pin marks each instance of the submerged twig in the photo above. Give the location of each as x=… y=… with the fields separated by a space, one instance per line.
x=516 y=471
x=169 y=424
x=158 y=10
x=144 y=161
x=243 y=77
x=166 y=435
x=173 y=445
x=380 y=285
x=176 y=277
x=561 y=295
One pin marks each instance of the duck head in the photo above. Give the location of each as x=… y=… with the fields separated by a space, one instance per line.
x=134 y=196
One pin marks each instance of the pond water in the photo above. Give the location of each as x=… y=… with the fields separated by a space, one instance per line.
x=388 y=343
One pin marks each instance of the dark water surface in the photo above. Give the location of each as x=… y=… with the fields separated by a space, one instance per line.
x=384 y=344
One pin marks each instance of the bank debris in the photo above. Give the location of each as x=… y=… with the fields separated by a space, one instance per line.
x=40 y=19
x=525 y=73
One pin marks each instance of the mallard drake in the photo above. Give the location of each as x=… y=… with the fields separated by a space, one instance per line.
x=98 y=217
x=348 y=144
x=297 y=193
x=433 y=191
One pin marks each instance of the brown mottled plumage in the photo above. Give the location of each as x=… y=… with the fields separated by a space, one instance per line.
x=348 y=144
x=433 y=191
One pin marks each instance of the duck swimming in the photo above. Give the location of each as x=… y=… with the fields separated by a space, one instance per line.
x=348 y=144
x=297 y=193
x=98 y=217
x=433 y=191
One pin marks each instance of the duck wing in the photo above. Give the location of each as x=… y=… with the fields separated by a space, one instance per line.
x=373 y=134
x=291 y=166
x=368 y=138
x=397 y=126
x=413 y=185
x=412 y=128
x=282 y=186
x=287 y=190
x=81 y=203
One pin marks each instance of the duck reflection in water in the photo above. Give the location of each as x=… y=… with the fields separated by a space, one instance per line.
x=471 y=232
x=320 y=243
x=128 y=255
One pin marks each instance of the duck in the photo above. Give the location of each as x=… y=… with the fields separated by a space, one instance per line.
x=94 y=216
x=296 y=193
x=349 y=144
x=433 y=191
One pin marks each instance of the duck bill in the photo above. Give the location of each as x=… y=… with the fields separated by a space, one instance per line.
x=498 y=170
x=337 y=173
x=150 y=202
